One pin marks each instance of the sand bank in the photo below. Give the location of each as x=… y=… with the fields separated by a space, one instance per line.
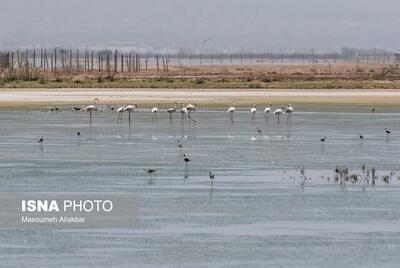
x=212 y=97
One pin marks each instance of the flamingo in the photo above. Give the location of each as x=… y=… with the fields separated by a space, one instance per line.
x=184 y=112
x=231 y=110
x=253 y=112
x=120 y=112
x=191 y=108
x=154 y=111
x=91 y=108
x=289 y=111
x=267 y=111
x=172 y=110
x=279 y=112
x=130 y=109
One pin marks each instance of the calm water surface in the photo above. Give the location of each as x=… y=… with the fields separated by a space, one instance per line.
x=256 y=215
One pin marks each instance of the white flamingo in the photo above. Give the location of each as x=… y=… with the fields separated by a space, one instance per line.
x=253 y=112
x=120 y=112
x=289 y=111
x=278 y=112
x=91 y=108
x=154 y=111
x=172 y=110
x=267 y=111
x=130 y=109
x=231 y=110
x=191 y=108
x=184 y=112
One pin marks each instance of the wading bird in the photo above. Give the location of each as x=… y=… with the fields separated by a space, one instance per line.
x=154 y=111
x=387 y=131
x=172 y=110
x=91 y=108
x=289 y=111
x=180 y=145
x=77 y=108
x=259 y=130
x=120 y=112
x=253 y=112
x=323 y=139
x=361 y=137
x=231 y=110
x=187 y=160
x=212 y=177
x=184 y=112
x=267 y=111
x=150 y=172
x=278 y=112
x=41 y=140
x=130 y=109
x=191 y=108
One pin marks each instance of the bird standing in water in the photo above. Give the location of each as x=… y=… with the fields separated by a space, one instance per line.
x=150 y=172
x=212 y=177
x=187 y=160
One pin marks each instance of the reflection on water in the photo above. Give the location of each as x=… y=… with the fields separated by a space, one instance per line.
x=259 y=211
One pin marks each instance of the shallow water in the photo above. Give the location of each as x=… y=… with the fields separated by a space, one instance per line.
x=257 y=214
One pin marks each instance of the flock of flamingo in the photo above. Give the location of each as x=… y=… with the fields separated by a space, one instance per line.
x=185 y=111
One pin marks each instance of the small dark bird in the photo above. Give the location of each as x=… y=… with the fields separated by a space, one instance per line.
x=41 y=140
x=212 y=177
x=56 y=109
x=180 y=144
x=387 y=131
x=373 y=110
x=77 y=108
x=112 y=108
x=323 y=139
x=361 y=137
x=150 y=171
x=186 y=159
x=206 y=40
x=259 y=130
x=78 y=133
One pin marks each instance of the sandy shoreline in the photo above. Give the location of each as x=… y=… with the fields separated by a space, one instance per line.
x=212 y=97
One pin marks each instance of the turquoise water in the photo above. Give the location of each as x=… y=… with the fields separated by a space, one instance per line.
x=256 y=214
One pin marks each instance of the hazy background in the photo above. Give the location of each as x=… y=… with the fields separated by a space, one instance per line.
x=180 y=25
